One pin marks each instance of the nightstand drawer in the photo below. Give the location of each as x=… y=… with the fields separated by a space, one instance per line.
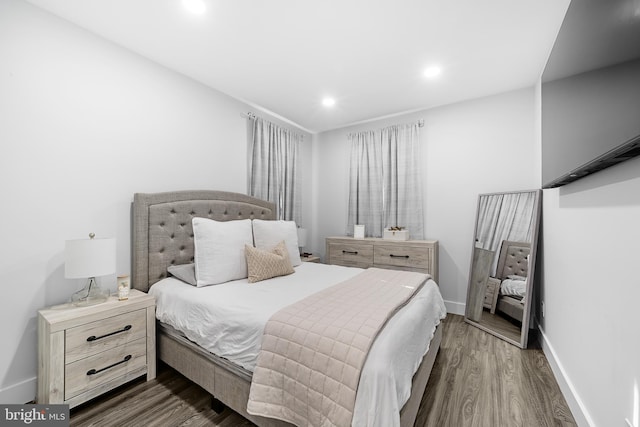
x=356 y=254
x=94 y=371
x=401 y=256
x=96 y=337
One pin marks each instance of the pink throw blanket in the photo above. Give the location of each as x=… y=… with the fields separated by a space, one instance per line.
x=313 y=351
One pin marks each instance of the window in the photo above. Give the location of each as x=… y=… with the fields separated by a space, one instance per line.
x=385 y=185
x=273 y=168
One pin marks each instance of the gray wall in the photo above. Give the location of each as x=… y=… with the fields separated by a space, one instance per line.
x=586 y=115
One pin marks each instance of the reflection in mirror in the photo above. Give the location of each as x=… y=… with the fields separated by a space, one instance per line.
x=502 y=264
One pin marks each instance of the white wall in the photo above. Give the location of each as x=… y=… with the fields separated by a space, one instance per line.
x=84 y=125
x=591 y=291
x=480 y=146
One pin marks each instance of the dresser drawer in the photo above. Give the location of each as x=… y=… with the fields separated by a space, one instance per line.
x=93 y=338
x=96 y=370
x=413 y=255
x=351 y=254
x=401 y=256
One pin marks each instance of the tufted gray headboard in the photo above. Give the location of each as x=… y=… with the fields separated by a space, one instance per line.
x=513 y=259
x=162 y=234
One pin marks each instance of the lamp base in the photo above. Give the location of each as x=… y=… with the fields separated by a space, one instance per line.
x=91 y=294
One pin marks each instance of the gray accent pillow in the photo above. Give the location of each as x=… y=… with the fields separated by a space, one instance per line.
x=184 y=272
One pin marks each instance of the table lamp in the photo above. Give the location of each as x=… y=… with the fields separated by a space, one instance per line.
x=87 y=259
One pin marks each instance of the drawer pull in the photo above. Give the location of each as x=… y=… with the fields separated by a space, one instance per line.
x=93 y=371
x=399 y=256
x=94 y=338
x=350 y=252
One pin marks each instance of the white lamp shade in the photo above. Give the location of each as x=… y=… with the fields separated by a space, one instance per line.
x=89 y=258
x=302 y=237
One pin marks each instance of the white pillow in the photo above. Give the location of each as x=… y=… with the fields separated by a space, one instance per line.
x=219 y=250
x=513 y=287
x=267 y=234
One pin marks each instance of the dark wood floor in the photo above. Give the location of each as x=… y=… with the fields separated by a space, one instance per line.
x=480 y=380
x=477 y=380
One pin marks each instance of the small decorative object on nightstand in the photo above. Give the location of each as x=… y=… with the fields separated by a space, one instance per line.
x=86 y=259
x=84 y=352
x=123 y=287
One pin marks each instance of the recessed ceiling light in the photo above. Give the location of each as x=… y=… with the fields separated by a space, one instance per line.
x=433 y=71
x=194 y=6
x=328 y=102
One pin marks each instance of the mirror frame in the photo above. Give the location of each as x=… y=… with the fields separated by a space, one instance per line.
x=531 y=278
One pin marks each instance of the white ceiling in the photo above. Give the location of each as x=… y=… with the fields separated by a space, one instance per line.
x=284 y=56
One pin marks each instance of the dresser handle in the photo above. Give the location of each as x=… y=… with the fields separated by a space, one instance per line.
x=399 y=256
x=350 y=252
x=93 y=371
x=94 y=338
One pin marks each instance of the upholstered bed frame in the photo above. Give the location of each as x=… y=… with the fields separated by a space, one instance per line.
x=512 y=260
x=162 y=236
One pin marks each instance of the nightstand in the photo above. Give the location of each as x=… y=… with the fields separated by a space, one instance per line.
x=310 y=258
x=491 y=295
x=86 y=351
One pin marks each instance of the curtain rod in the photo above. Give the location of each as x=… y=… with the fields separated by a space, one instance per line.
x=420 y=124
x=251 y=115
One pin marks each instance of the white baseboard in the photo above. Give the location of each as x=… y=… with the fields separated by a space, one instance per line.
x=454 y=307
x=23 y=392
x=578 y=409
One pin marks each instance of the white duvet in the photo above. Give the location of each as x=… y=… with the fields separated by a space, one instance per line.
x=228 y=320
x=513 y=287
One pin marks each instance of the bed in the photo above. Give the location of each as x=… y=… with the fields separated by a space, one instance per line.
x=163 y=236
x=511 y=273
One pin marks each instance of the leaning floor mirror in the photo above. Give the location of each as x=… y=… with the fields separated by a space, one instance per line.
x=503 y=264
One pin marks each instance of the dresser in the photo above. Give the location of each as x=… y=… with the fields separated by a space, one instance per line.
x=86 y=351
x=414 y=255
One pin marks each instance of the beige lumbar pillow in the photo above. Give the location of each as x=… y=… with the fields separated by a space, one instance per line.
x=265 y=264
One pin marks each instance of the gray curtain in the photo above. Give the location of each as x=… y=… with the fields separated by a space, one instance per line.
x=365 y=184
x=385 y=186
x=508 y=216
x=273 y=168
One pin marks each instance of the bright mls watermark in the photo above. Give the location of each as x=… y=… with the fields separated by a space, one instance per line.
x=34 y=415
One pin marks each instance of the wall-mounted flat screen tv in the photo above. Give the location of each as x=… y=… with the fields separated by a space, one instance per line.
x=591 y=91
